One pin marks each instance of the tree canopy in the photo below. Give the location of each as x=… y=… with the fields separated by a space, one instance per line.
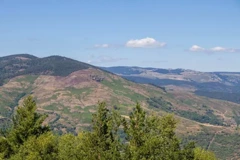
x=140 y=136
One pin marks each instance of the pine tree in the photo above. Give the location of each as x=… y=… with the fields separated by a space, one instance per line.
x=103 y=142
x=43 y=147
x=152 y=138
x=147 y=137
x=135 y=130
x=26 y=123
x=71 y=147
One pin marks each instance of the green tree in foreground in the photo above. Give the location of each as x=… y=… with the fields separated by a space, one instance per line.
x=71 y=147
x=103 y=141
x=43 y=147
x=201 y=154
x=26 y=123
x=153 y=138
x=147 y=137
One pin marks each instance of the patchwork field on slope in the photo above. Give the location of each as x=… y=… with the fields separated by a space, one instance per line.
x=70 y=101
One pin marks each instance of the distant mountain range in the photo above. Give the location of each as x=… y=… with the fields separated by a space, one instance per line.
x=219 y=85
x=68 y=91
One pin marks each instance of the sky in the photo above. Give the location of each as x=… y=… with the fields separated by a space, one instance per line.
x=202 y=35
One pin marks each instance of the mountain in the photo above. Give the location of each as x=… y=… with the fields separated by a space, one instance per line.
x=22 y=64
x=219 y=85
x=68 y=91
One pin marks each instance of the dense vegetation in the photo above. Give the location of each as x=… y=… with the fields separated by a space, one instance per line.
x=236 y=117
x=159 y=102
x=224 y=144
x=209 y=117
x=139 y=137
x=232 y=97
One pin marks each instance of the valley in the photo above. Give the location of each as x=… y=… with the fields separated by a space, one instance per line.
x=68 y=91
x=218 y=85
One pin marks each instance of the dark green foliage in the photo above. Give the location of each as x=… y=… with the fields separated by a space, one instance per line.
x=55 y=65
x=160 y=103
x=226 y=145
x=71 y=147
x=157 y=86
x=232 y=97
x=147 y=137
x=223 y=145
x=43 y=147
x=208 y=118
x=15 y=103
x=4 y=103
x=26 y=123
x=202 y=139
x=104 y=141
x=23 y=64
x=236 y=117
x=151 y=137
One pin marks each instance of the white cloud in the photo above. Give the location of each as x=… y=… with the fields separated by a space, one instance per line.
x=101 y=46
x=222 y=49
x=104 y=59
x=196 y=48
x=144 y=43
x=218 y=49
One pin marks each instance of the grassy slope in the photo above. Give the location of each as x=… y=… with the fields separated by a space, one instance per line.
x=71 y=100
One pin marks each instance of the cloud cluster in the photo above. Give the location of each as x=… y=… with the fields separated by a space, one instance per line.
x=153 y=43
x=136 y=43
x=104 y=59
x=145 y=43
x=196 y=48
x=102 y=46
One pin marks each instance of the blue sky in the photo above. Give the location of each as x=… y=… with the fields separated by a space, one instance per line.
x=202 y=35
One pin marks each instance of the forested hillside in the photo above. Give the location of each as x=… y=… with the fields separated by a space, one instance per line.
x=22 y=64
